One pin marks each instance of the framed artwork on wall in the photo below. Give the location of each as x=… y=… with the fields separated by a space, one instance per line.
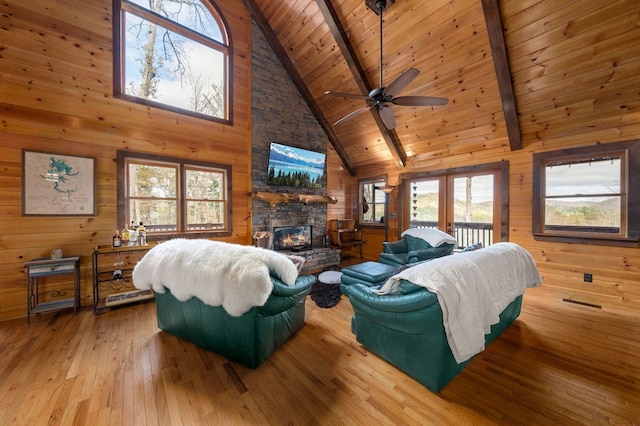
x=57 y=185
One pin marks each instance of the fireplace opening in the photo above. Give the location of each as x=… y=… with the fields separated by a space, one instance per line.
x=294 y=238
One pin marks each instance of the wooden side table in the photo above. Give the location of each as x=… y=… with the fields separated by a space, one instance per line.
x=344 y=235
x=43 y=267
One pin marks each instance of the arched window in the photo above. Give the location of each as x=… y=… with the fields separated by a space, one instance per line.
x=172 y=54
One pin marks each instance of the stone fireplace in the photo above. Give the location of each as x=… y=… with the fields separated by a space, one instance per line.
x=294 y=238
x=295 y=217
x=283 y=116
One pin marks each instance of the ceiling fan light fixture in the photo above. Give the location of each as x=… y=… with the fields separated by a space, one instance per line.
x=383 y=97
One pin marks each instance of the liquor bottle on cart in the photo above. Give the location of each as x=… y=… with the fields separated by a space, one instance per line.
x=133 y=235
x=142 y=235
x=125 y=235
x=117 y=241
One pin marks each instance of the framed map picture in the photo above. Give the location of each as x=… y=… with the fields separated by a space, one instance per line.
x=57 y=185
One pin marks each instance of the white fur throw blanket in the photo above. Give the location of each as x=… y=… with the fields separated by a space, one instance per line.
x=473 y=289
x=233 y=276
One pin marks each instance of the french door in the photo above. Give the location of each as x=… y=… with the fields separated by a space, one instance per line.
x=469 y=203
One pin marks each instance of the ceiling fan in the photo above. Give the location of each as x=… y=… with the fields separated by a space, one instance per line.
x=382 y=97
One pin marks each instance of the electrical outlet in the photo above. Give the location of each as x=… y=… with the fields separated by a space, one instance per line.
x=588 y=278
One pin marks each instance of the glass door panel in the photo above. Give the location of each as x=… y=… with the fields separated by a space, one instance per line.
x=467 y=204
x=471 y=209
x=424 y=204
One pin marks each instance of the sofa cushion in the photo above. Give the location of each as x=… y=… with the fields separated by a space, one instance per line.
x=372 y=272
x=395 y=247
x=430 y=253
x=415 y=243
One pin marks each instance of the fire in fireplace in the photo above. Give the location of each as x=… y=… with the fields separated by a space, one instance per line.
x=292 y=237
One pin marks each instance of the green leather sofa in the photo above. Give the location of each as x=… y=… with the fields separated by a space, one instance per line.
x=249 y=339
x=406 y=330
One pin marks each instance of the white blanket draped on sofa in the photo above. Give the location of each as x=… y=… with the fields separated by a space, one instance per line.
x=233 y=276
x=473 y=289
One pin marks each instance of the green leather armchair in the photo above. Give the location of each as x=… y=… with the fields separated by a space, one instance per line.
x=249 y=339
x=406 y=330
x=411 y=249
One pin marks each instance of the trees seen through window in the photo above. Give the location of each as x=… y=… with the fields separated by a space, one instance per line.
x=173 y=196
x=173 y=54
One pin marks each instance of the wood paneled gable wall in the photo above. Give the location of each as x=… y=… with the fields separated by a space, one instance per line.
x=299 y=83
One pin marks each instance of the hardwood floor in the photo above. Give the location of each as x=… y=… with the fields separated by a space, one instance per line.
x=559 y=363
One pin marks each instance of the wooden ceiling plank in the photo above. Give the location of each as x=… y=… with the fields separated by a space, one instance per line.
x=341 y=38
x=585 y=86
x=390 y=136
x=280 y=52
x=569 y=51
x=491 y=10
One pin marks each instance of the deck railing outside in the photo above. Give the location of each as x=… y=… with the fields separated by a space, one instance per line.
x=465 y=233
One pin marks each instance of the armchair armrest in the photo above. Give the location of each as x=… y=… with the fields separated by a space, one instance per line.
x=417 y=312
x=414 y=299
x=303 y=282
x=285 y=296
x=395 y=247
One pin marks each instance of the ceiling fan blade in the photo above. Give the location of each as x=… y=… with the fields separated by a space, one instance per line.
x=351 y=115
x=401 y=82
x=420 y=101
x=347 y=95
x=387 y=117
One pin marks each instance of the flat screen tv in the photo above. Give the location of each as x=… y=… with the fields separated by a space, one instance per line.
x=291 y=166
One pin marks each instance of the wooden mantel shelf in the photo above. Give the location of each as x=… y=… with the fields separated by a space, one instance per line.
x=275 y=198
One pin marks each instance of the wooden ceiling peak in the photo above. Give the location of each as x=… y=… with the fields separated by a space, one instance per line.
x=334 y=45
x=390 y=137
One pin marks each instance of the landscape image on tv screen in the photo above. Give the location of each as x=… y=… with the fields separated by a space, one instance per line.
x=291 y=166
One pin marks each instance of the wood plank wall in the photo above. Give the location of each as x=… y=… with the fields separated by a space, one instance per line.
x=340 y=184
x=579 y=90
x=56 y=96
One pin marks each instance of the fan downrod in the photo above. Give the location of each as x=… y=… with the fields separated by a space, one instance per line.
x=381 y=98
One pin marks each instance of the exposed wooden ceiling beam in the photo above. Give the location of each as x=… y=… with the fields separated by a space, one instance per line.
x=390 y=137
x=491 y=10
x=280 y=52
